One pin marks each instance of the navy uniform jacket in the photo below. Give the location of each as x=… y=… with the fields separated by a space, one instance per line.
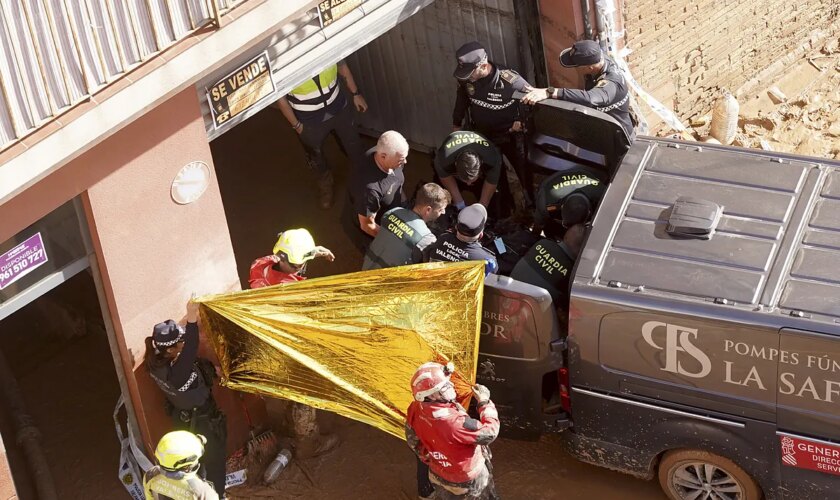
x=490 y=102
x=606 y=92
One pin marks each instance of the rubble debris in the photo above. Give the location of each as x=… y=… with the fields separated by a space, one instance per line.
x=798 y=112
x=776 y=95
x=724 y=123
x=699 y=121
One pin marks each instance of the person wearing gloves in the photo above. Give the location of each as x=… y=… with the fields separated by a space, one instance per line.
x=468 y=161
x=443 y=435
x=567 y=198
x=187 y=382
x=294 y=248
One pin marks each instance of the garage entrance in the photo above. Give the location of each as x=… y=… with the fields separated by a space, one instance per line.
x=402 y=61
x=56 y=352
x=58 y=383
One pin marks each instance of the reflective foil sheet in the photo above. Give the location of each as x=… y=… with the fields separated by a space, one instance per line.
x=350 y=344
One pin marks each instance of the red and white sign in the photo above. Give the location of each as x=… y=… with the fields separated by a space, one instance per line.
x=807 y=454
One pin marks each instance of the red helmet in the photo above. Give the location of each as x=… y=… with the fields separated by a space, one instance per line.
x=429 y=379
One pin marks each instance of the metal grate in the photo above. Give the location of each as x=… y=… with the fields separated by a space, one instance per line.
x=57 y=53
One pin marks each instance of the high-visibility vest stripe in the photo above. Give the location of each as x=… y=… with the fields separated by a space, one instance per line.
x=309 y=97
x=315 y=94
x=313 y=107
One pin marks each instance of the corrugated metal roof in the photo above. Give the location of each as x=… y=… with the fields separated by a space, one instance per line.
x=57 y=53
x=406 y=74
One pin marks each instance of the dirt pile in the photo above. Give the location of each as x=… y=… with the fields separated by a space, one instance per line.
x=798 y=112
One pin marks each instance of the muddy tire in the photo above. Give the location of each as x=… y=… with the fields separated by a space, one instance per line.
x=685 y=473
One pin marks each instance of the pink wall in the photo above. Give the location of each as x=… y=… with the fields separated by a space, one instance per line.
x=153 y=253
x=561 y=22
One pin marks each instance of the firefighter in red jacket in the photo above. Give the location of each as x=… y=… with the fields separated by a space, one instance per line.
x=444 y=436
x=294 y=248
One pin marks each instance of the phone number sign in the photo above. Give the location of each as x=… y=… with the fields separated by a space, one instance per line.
x=813 y=455
x=22 y=260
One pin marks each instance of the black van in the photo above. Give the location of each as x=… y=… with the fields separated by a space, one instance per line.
x=701 y=343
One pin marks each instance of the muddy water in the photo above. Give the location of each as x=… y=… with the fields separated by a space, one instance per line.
x=372 y=465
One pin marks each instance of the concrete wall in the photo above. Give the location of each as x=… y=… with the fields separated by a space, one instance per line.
x=684 y=51
x=152 y=252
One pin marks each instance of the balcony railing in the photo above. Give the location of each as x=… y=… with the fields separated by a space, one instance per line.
x=57 y=53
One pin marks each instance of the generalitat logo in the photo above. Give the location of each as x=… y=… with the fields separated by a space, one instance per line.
x=677 y=344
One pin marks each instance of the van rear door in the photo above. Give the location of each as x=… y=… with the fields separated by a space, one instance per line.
x=516 y=362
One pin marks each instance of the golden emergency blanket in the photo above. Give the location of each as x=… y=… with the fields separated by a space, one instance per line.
x=349 y=344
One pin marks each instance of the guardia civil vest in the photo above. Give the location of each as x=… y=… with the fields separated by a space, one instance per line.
x=547 y=265
x=192 y=394
x=400 y=231
x=319 y=95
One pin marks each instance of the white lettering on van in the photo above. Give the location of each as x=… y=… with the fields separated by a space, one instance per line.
x=808 y=388
x=677 y=340
x=786 y=379
x=495 y=330
x=752 y=377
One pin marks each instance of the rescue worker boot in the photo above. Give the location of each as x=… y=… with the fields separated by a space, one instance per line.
x=325 y=189
x=309 y=441
x=319 y=444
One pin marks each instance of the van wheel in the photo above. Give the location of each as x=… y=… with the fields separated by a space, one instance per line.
x=700 y=475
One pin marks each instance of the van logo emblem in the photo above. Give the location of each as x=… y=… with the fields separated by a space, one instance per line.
x=678 y=339
x=488 y=369
x=788 y=455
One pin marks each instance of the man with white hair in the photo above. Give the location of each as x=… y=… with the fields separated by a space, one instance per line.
x=378 y=184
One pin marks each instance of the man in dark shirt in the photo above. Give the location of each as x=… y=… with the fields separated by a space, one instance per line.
x=485 y=89
x=548 y=264
x=379 y=182
x=462 y=161
x=605 y=87
x=463 y=244
x=567 y=198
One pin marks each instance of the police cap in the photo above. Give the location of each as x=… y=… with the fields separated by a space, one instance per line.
x=469 y=56
x=582 y=53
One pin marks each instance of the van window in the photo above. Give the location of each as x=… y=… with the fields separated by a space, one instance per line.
x=508 y=327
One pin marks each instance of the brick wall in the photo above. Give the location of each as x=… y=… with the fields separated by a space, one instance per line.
x=684 y=51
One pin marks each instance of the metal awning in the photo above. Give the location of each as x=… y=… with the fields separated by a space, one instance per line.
x=301 y=48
